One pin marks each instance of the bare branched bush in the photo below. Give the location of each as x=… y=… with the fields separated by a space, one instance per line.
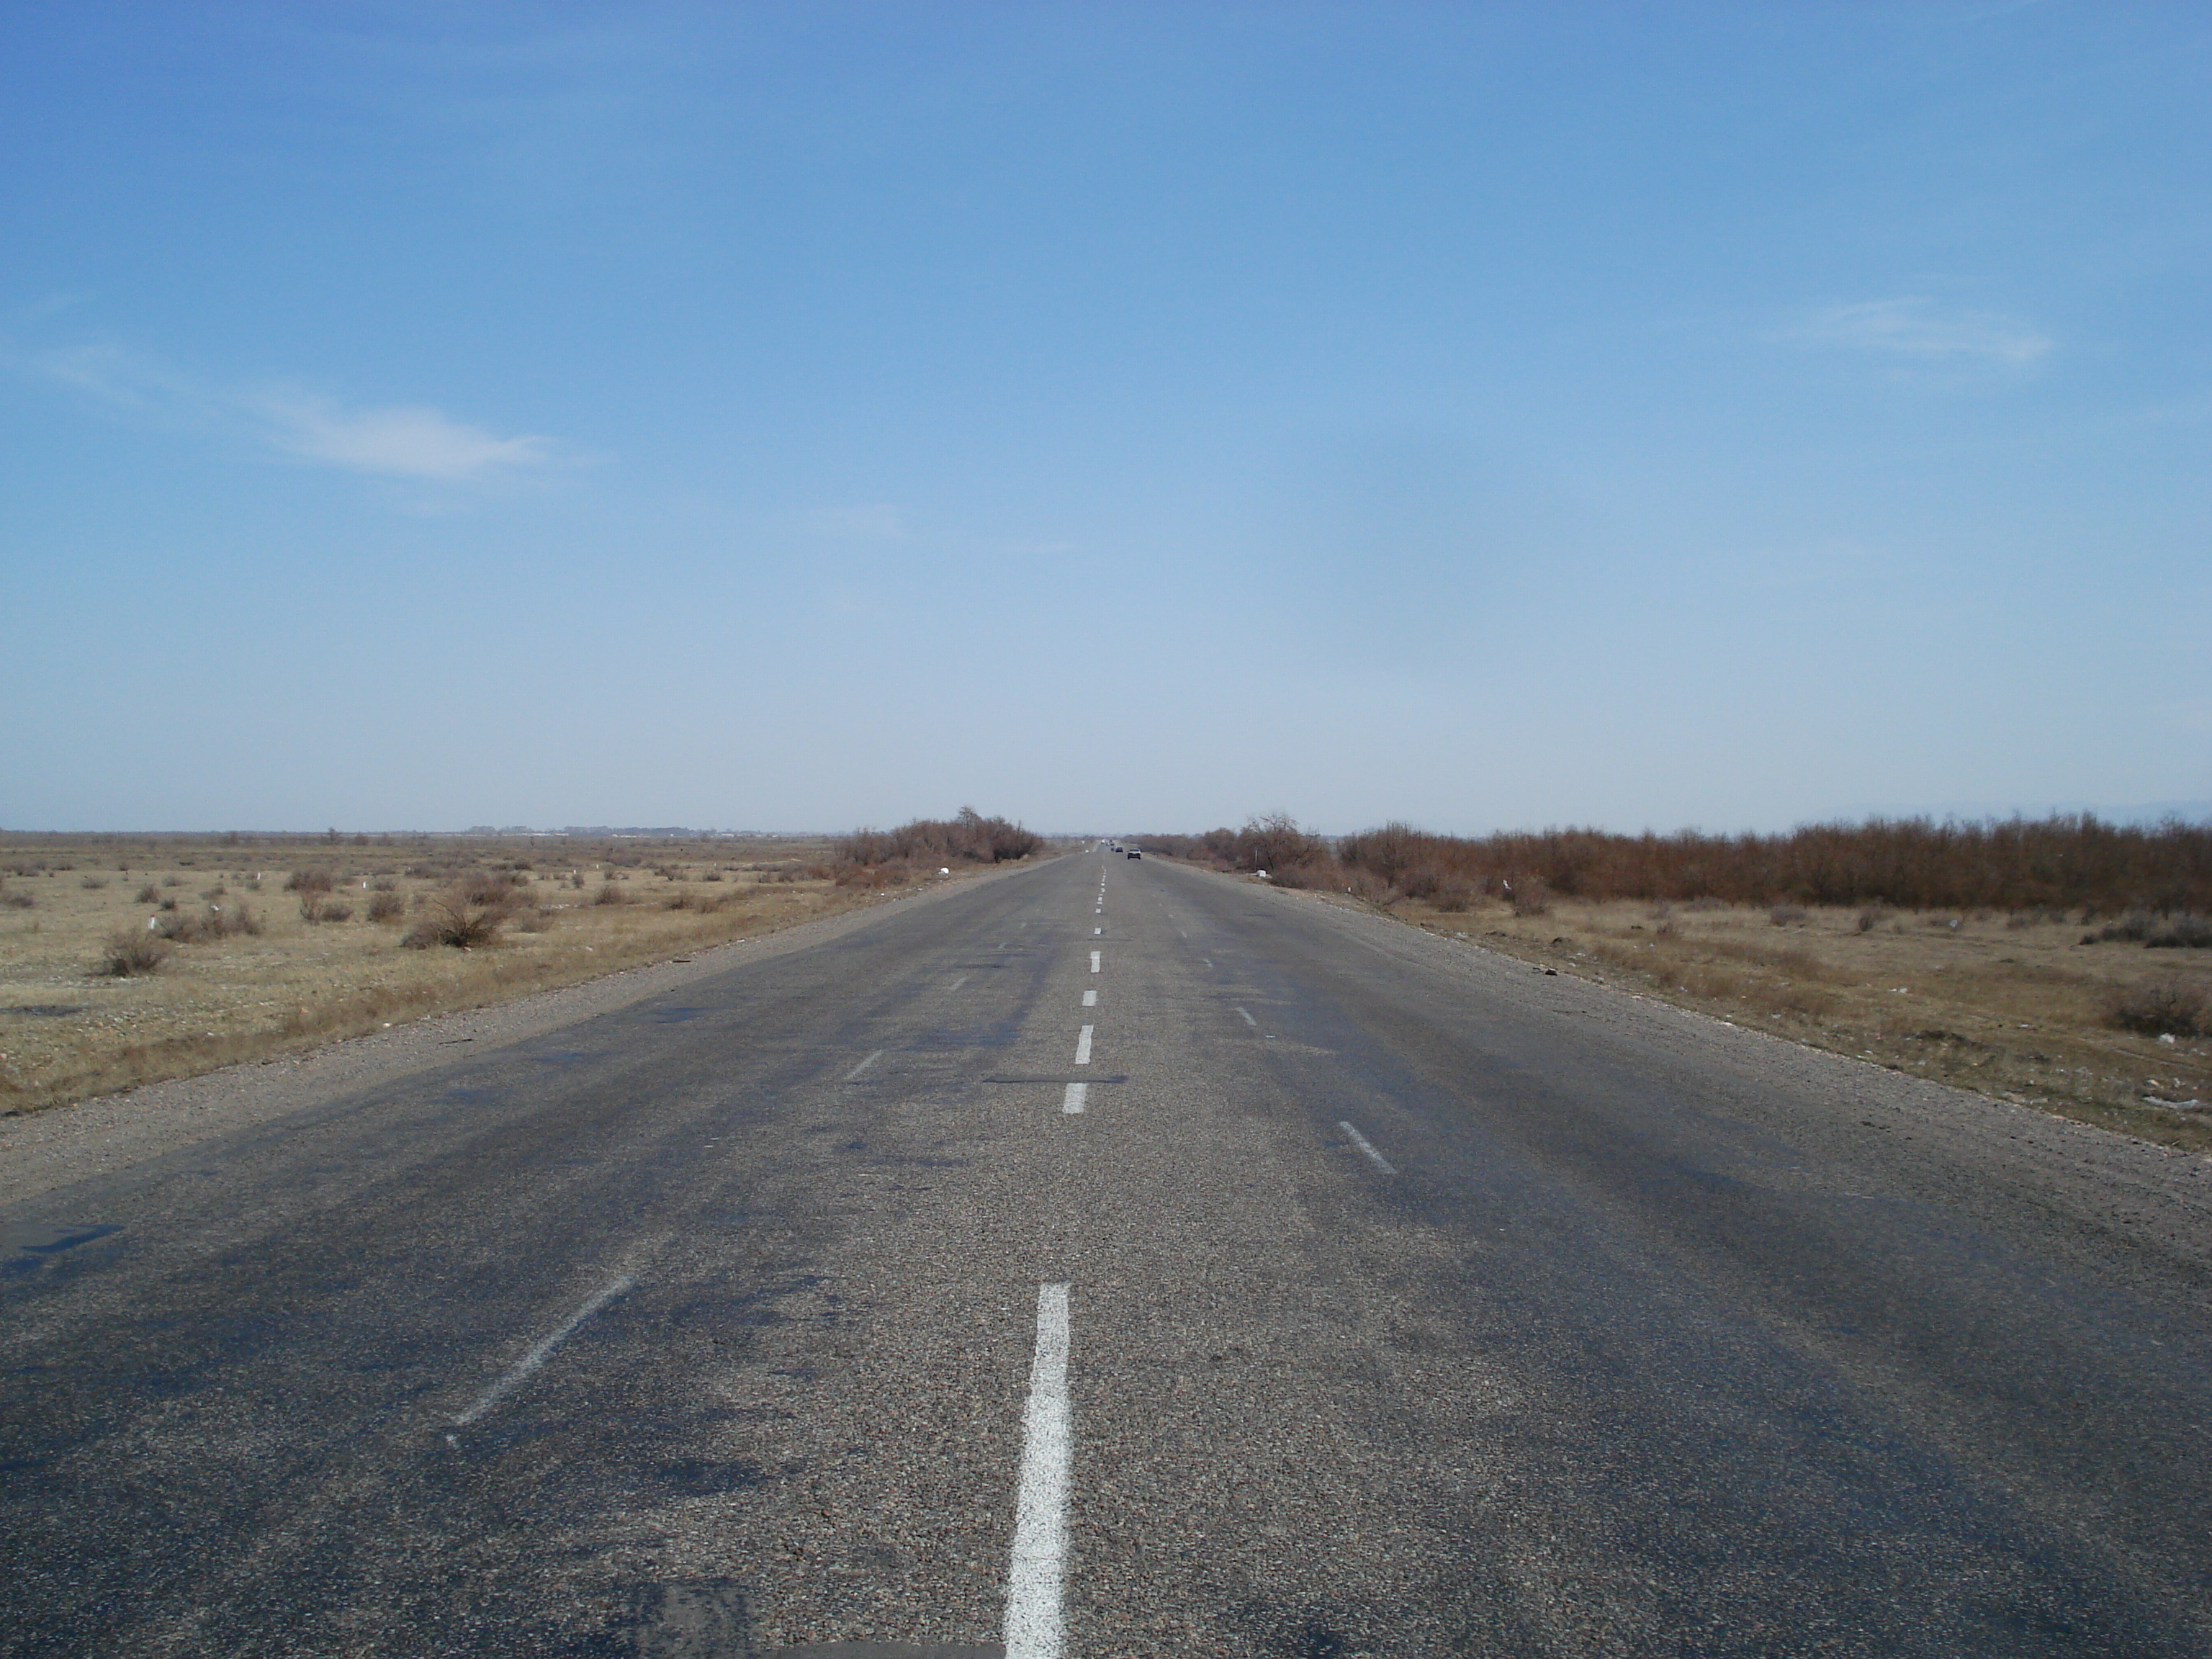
x=2183 y=933
x=610 y=894
x=92 y=883
x=132 y=952
x=466 y=914
x=205 y=926
x=1454 y=894
x=310 y=882
x=386 y=907
x=969 y=838
x=1316 y=874
x=2162 y=1007
x=1528 y=897
x=1787 y=916
x=149 y=894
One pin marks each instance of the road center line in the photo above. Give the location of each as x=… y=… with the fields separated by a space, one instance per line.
x=1249 y=1020
x=1094 y=962
x=1071 y=1103
x=1097 y=930
x=1034 y=1625
x=1083 y=1047
x=1090 y=998
x=957 y=983
x=853 y=1075
x=1361 y=1142
x=519 y=1372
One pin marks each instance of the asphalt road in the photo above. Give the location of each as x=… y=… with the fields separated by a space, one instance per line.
x=1413 y=1304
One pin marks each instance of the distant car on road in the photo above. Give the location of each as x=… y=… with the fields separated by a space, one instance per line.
x=1134 y=854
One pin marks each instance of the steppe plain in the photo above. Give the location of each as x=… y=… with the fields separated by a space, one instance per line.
x=2018 y=1006
x=310 y=965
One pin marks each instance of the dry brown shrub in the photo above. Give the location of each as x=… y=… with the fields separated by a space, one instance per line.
x=454 y=918
x=149 y=894
x=204 y=927
x=1365 y=884
x=1530 y=897
x=310 y=881
x=132 y=952
x=1786 y=915
x=386 y=907
x=2162 y=1007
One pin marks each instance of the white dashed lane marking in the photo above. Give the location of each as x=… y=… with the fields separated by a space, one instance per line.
x=1033 y=1623
x=1071 y=1102
x=1249 y=1020
x=1091 y=999
x=1083 y=1047
x=1362 y=1142
x=853 y=1075
x=957 y=983
x=1094 y=962
x=519 y=1373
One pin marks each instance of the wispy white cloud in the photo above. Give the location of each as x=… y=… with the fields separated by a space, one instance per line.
x=406 y=442
x=1917 y=330
x=399 y=441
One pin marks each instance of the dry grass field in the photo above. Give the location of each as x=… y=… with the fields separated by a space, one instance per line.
x=2014 y=1005
x=127 y=959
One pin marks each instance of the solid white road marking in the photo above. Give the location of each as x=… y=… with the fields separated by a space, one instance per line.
x=957 y=983
x=519 y=1372
x=1249 y=1020
x=1071 y=1102
x=1091 y=999
x=1083 y=1047
x=1361 y=1142
x=1094 y=962
x=855 y=1073
x=1034 y=1626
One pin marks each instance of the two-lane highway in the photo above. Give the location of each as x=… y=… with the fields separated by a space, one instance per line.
x=1114 y=1259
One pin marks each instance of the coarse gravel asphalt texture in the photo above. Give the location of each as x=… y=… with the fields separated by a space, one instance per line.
x=1419 y=1302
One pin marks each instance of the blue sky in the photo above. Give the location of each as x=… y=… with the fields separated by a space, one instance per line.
x=1115 y=416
